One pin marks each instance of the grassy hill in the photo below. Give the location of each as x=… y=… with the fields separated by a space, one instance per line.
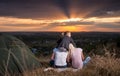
x=102 y=47
x=99 y=66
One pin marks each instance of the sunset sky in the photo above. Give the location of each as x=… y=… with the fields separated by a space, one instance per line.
x=60 y=15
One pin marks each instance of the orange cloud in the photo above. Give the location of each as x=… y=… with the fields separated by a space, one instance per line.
x=73 y=24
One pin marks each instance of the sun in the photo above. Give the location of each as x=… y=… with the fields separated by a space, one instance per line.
x=69 y=20
x=70 y=28
x=66 y=28
x=72 y=19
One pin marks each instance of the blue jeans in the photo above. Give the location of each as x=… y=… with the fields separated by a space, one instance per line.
x=51 y=63
x=86 y=61
x=61 y=66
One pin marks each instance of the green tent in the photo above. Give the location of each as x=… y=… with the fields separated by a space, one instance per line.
x=15 y=56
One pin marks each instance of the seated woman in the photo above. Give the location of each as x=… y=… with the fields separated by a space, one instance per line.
x=77 y=57
x=59 y=58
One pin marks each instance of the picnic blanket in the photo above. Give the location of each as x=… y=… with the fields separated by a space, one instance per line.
x=60 y=69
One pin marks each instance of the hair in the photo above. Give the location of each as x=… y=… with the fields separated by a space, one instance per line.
x=71 y=47
x=65 y=33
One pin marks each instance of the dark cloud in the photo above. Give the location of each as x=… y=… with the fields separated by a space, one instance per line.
x=107 y=8
x=29 y=9
x=112 y=25
x=49 y=26
x=76 y=23
x=117 y=23
x=108 y=25
x=72 y=23
x=56 y=8
x=20 y=25
x=64 y=6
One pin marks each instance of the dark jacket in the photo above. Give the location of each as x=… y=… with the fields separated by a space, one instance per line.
x=59 y=41
x=65 y=42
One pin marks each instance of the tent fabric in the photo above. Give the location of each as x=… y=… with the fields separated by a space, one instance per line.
x=15 y=56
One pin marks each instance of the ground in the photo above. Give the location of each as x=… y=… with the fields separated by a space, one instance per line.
x=98 y=66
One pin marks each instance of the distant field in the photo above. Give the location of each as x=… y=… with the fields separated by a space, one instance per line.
x=90 y=42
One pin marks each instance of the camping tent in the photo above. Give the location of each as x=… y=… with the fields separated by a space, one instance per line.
x=15 y=56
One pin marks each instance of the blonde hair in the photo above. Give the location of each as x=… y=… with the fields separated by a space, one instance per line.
x=71 y=48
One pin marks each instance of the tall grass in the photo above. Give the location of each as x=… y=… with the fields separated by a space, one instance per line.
x=106 y=65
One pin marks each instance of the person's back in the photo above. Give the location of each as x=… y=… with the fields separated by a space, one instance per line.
x=60 y=39
x=60 y=58
x=66 y=41
x=76 y=56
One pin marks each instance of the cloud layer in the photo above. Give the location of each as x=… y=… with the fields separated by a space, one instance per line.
x=57 y=8
x=88 y=24
x=56 y=15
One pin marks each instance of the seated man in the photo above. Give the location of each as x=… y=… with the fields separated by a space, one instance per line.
x=66 y=40
x=59 y=58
